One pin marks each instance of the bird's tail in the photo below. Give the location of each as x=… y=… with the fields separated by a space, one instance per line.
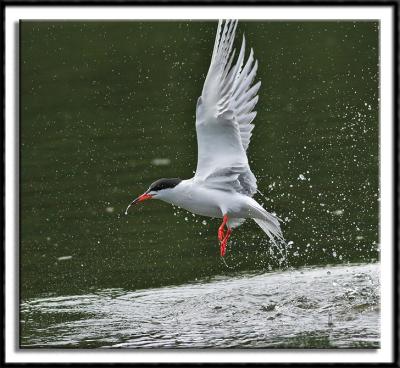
x=270 y=225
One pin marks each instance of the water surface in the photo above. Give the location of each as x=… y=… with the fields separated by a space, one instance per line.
x=327 y=307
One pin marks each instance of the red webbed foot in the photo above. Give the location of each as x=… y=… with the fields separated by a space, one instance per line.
x=221 y=233
x=222 y=236
x=225 y=242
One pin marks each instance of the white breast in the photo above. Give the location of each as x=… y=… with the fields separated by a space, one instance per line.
x=195 y=198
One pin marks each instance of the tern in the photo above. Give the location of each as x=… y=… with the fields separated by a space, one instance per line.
x=223 y=184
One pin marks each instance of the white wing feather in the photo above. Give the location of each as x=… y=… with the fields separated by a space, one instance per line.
x=224 y=114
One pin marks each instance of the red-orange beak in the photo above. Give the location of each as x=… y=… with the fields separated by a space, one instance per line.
x=141 y=198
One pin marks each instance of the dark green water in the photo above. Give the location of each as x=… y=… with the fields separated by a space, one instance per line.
x=108 y=107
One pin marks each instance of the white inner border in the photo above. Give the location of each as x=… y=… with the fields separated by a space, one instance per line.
x=382 y=13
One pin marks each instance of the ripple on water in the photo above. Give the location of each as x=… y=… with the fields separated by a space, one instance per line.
x=315 y=307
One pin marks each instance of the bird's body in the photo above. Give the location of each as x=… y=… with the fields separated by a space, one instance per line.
x=201 y=200
x=223 y=185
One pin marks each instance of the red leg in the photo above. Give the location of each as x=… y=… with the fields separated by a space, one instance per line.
x=225 y=242
x=221 y=234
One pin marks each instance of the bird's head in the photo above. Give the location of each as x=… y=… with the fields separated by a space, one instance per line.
x=159 y=189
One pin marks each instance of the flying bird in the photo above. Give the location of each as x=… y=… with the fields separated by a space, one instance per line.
x=223 y=185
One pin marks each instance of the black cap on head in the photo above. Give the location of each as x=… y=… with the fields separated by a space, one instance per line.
x=164 y=184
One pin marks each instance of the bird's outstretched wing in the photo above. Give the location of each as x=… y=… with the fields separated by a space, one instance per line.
x=224 y=114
